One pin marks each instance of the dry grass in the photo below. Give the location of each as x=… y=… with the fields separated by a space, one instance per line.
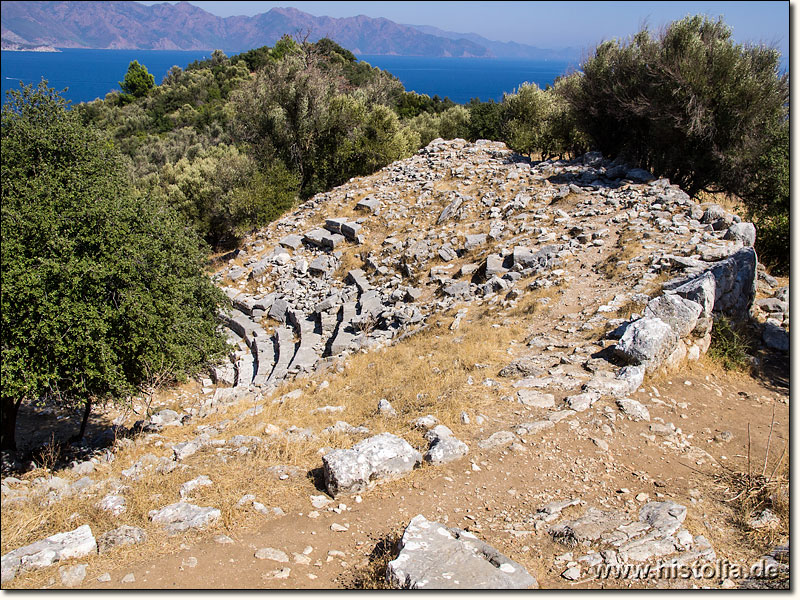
x=532 y=302
x=766 y=486
x=372 y=575
x=730 y=202
x=426 y=374
x=627 y=247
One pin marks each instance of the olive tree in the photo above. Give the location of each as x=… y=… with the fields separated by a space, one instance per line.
x=688 y=103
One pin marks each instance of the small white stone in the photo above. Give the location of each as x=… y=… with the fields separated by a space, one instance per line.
x=272 y=554
x=104 y=578
x=223 y=539
x=278 y=574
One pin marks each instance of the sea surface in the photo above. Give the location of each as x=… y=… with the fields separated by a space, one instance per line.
x=90 y=74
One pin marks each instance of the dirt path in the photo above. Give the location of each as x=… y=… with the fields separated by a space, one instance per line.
x=494 y=492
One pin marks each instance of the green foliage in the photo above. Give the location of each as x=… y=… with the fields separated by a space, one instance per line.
x=772 y=241
x=536 y=120
x=103 y=290
x=766 y=194
x=688 y=104
x=301 y=112
x=449 y=124
x=566 y=137
x=411 y=104
x=221 y=191
x=266 y=196
x=526 y=113
x=138 y=81
x=485 y=120
x=730 y=345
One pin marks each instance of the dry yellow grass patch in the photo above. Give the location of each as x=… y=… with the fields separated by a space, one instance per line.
x=425 y=374
x=628 y=246
x=730 y=202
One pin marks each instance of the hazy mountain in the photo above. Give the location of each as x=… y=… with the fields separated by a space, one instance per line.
x=505 y=49
x=186 y=27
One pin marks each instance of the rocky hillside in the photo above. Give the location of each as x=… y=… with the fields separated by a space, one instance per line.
x=465 y=370
x=182 y=26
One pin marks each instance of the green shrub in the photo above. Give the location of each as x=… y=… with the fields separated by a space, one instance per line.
x=103 y=291
x=485 y=120
x=730 y=345
x=687 y=104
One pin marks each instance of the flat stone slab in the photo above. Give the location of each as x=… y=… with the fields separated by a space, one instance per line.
x=536 y=399
x=433 y=556
x=182 y=516
x=61 y=546
x=292 y=241
x=379 y=458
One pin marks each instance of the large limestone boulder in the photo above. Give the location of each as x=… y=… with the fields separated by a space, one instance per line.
x=677 y=312
x=648 y=340
x=61 y=546
x=381 y=457
x=433 y=556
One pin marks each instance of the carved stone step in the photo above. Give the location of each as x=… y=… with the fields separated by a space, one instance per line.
x=284 y=342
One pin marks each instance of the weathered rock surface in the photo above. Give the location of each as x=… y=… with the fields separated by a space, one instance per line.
x=445 y=447
x=657 y=533
x=433 y=556
x=635 y=410
x=73 y=575
x=61 y=546
x=182 y=516
x=648 y=340
x=381 y=457
x=120 y=536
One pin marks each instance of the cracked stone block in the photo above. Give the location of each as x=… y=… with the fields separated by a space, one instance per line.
x=433 y=556
x=647 y=340
x=379 y=458
x=61 y=546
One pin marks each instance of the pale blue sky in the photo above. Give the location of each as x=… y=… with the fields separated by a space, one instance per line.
x=550 y=24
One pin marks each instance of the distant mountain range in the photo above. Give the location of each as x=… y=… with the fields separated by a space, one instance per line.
x=505 y=49
x=183 y=26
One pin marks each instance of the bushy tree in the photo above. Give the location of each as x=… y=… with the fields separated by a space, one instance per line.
x=223 y=193
x=485 y=120
x=526 y=116
x=138 y=81
x=302 y=111
x=103 y=291
x=282 y=112
x=534 y=120
x=688 y=104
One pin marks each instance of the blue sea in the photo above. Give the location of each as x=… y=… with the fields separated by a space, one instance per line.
x=90 y=74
